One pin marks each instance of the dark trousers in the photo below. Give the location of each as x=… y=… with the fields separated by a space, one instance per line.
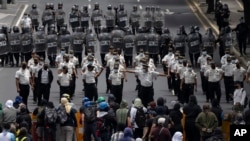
x=24 y=93
x=16 y=56
x=41 y=54
x=221 y=51
x=172 y=80
x=214 y=88
x=210 y=7
x=193 y=58
x=192 y=132
x=97 y=30
x=79 y=56
x=26 y=57
x=9 y=59
x=91 y=91
x=49 y=134
x=116 y=90
x=63 y=90
x=187 y=91
x=107 y=80
x=36 y=90
x=138 y=133
x=134 y=29
x=52 y=59
x=102 y=59
x=90 y=129
x=170 y=86
x=72 y=86
x=128 y=60
x=2 y=57
x=177 y=88
x=35 y=27
x=146 y=95
x=242 y=44
x=110 y=29
x=58 y=28
x=229 y=86
x=44 y=92
x=204 y=84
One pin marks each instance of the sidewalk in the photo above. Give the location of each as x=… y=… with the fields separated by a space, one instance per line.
x=234 y=6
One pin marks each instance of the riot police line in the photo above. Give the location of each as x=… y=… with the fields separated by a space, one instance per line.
x=142 y=29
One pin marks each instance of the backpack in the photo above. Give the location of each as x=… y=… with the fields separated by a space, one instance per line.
x=39 y=114
x=50 y=115
x=62 y=114
x=140 y=118
x=89 y=114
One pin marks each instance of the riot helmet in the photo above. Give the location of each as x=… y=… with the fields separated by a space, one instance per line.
x=104 y=29
x=52 y=27
x=73 y=8
x=140 y=30
x=109 y=7
x=96 y=6
x=166 y=30
x=85 y=8
x=135 y=8
x=65 y=25
x=47 y=6
x=60 y=5
x=41 y=28
x=76 y=7
x=209 y=31
x=152 y=9
x=121 y=7
x=158 y=9
x=34 y=6
x=78 y=29
x=225 y=6
x=16 y=29
x=192 y=30
x=52 y=6
x=147 y=8
x=197 y=28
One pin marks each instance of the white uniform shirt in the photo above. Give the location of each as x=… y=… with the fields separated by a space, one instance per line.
x=172 y=65
x=239 y=74
x=45 y=77
x=205 y=68
x=146 y=78
x=26 y=22
x=138 y=59
x=34 y=69
x=70 y=66
x=59 y=58
x=223 y=59
x=228 y=69
x=214 y=75
x=181 y=71
x=122 y=60
x=74 y=60
x=167 y=58
x=202 y=60
x=116 y=78
x=111 y=64
x=89 y=76
x=108 y=56
x=239 y=96
x=30 y=62
x=189 y=77
x=23 y=76
x=64 y=79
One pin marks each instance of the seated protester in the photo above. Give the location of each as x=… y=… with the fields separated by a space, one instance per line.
x=6 y=135
x=137 y=118
x=38 y=112
x=239 y=119
x=216 y=109
x=10 y=113
x=128 y=135
x=178 y=136
x=160 y=133
x=23 y=116
x=151 y=114
x=176 y=117
x=106 y=123
x=119 y=132
x=17 y=102
x=68 y=122
x=50 y=120
x=113 y=106
x=122 y=113
x=217 y=135
x=23 y=135
x=237 y=108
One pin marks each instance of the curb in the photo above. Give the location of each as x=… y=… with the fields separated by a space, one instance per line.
x=216 y=31
x=21 y=9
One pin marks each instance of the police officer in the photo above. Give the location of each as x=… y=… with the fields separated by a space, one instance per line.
x=47 y=16
x=228 y=39
x=78 y=40
x=34 y=15
x=153 y=45
x=183 y=30
x=74 y=18
x=141 y=40
x=84 y=18
x=214 y=76
x=27 y=46
x=110 y=18
x=180 y=42
x=122 y=17
x=40 y=41
x=177 y=71
x=105 y=42
x=182 y=67
x=228 y=78
x=224 y=57
x=242 y=32
x=209 y=42
x=64 y=80
x=147 y=19
x=3 y=47
x=220 y=41
x=166 y=62
x=8 y=57
x=59 y=57
x=239 y=74
x=225 y=15
x=73 y=59
x=96 y=18
x=91 y=41
x=193 y=40
x=188 y=83
x=63 y=30
x=89 y=79
x=202 y=60
x=165 y=40
x=204 y=82
x=171 y=71
x=134 y=19
x=218 y=14
x=15 y=44
x=129 y=40
x=117 y=38
x=158 y=20
x=64 y=39
x=60 y=16
x=52 y=45
x=138 y=58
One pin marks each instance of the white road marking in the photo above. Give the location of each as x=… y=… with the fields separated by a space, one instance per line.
x=140 y=7
x=89 y=6
x=240 y=4
x=24 y=9
x=168 y=12
x=138 y=0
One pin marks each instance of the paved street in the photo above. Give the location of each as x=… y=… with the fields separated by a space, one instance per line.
x=179 y=14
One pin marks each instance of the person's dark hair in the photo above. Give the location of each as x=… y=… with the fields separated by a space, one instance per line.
x=160 y=101
x=42 y=103
x=192 y=100
x=177 y=106
x=6 y=126
x=23 y=132
x=215 y=103
x=50 y=104
x=121 y=126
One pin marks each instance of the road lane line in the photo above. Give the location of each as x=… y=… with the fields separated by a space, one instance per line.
x=240 y=4
x=23 y=11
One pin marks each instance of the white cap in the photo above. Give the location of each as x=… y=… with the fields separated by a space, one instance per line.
x=161 y=120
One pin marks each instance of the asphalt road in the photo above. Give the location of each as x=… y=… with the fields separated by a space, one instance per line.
x=180 y=14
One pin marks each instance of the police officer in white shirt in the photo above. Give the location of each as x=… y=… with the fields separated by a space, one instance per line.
x=224 y=57
x=73 y=59
x=204 y=82
x=146 y=78
x=59 y=58
x=71 y=71
x=109 y=55
x=178 y=67
x=239 y=74
x=85 y=59
x=171 y=71
x=180 y=76
x=26 y=22
x=166 y=61
x=188 y=83
x=214 y=76
x=89 y=79
x=23 y=82
x=31 y=60
x=202 y=60
x=34 y=74
x=64 y=80
x=137 y=60
x=116 y=78
x=228 y=78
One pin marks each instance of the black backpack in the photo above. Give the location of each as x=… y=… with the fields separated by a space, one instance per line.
x=62 y=114
x=50 y=115
x=90 y=114
x=140 y=118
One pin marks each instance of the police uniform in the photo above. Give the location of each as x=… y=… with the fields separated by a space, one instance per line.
x=74 y=19
x=34 y=15
x=84 y=18
x=180 y=74
x=59 y=58
x=171 y=72
x=228 y=79
x=178 y=66
x=64 y=80
x=24 y=78
x=105 y=42
x=239 y=74
x=134 y=19
x=204 y=81
x=166 y=61
x=214 y=76
x=202 y=60
x=60 y=17
x=188 y=84
x=116 y=77
x=224 y=59
x=34 y=70
x=137 y=60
